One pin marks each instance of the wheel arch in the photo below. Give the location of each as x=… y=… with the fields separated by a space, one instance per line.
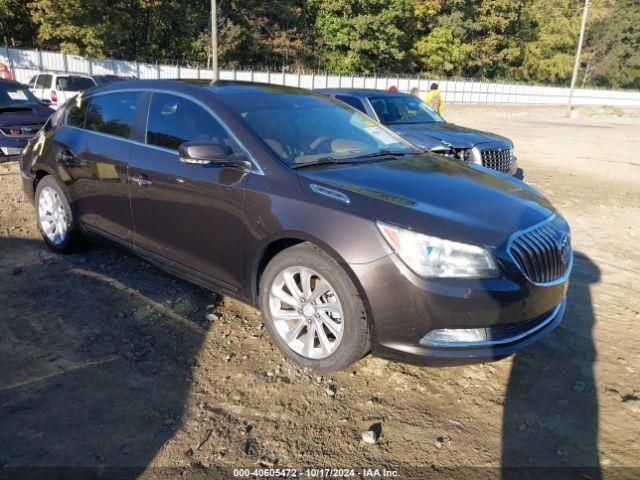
x=289 y=239
x=38 y=175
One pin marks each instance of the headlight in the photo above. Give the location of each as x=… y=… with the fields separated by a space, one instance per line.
x=435 y=257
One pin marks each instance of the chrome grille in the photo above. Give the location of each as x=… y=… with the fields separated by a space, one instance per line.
x=496 y=159
x=21 y=130
x=543 y=252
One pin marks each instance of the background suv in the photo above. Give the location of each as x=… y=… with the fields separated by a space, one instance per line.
x=416 y=122
x=54 y=89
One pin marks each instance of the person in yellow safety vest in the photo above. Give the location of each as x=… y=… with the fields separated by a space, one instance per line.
x=434 y=99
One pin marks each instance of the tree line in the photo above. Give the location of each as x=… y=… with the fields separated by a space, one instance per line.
x=517 y=40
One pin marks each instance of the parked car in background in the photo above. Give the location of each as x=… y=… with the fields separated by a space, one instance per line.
x=347 y=237
x=21 y=116
x=5 y=72
x=108 y=78
x=411 y=118
x=54 y=89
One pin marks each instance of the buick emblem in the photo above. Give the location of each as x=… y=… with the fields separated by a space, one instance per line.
x=565 y=248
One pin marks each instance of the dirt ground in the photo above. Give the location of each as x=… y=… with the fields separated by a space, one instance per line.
x=107 y=362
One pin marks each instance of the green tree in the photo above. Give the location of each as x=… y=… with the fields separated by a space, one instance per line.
x=440 y=53
x=268 y=33
x=529 y=40
x=549 y=53
x=366 y=36
x=128 y=29
x=16 y=26
x=613 y=47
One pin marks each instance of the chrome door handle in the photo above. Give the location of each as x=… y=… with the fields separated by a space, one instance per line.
x=140 y=180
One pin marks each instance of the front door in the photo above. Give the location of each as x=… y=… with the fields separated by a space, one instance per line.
x=188 y=214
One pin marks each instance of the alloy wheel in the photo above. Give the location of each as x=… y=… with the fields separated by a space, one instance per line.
x=52 y=216
x=306 y=312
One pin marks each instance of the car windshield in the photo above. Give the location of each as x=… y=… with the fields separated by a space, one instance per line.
x=302 y=128
x=74 y=84
x=14 y=95
x=396 y=110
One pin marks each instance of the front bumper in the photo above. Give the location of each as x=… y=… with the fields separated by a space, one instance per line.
x=405 y=309
x=11 y=147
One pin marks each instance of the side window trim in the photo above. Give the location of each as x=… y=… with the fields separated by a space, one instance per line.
x=370 y=110
x=257 y=169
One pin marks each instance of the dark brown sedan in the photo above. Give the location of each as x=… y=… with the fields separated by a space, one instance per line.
x=345 y=236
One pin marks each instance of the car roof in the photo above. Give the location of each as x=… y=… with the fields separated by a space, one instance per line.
x=207 y=86
x=361 y=92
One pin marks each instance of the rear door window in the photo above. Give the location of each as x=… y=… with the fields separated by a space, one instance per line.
x=175 y=120
x=113 y=113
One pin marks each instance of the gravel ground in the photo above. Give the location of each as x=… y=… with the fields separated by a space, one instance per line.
x=107 y=362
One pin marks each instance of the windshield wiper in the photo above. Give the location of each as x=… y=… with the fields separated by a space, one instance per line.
x=318 y=161
x=385 y=152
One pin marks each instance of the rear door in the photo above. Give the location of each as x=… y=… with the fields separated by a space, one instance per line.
x=94 y=149
x=188 y=214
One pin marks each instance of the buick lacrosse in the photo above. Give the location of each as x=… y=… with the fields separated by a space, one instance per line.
x=345 y=236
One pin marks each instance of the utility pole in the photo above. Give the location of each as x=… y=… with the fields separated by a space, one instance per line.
x=214 y=39
x=576 y=65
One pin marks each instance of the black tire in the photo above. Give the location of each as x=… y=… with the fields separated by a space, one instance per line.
x=72 y=240
x=355 y=341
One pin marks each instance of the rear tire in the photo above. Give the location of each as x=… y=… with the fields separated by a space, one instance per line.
x=321 y=324
x=56 y=221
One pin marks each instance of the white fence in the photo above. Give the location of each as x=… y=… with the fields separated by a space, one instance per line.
x=26 y=63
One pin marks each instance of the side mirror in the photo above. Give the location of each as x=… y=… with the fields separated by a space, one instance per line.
x=45 y=102
x=202 y=153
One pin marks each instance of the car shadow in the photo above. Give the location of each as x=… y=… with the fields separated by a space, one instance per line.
x=95 y=359
x=550 y=424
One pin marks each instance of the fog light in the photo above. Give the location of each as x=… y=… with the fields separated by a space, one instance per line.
x=449 y=337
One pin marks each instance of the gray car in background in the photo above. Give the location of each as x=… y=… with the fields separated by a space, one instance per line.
x=411 y=118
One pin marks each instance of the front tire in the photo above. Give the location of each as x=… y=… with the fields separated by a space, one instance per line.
x=312 y=309
x=56 y=222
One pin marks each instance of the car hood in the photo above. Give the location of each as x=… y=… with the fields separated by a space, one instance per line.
x=25 y=117
x=436 y=196
x=459 y=137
